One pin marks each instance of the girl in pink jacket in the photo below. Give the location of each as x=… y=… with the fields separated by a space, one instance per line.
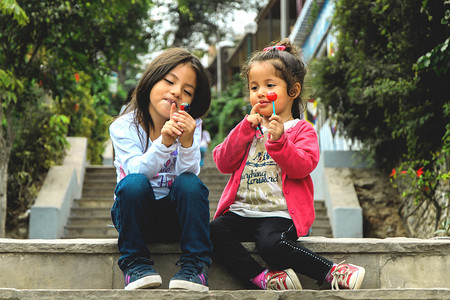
x=269 y=198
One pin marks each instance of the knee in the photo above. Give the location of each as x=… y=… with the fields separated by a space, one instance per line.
x=268 y=249
x=214 y=229
x=189 y=183
x=219 y=231
x=134 y=186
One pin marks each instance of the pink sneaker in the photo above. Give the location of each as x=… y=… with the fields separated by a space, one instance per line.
x=282 y=280
x=347 y=276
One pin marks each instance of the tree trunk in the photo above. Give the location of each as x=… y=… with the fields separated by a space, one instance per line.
x=6 y=140
x=3 y=191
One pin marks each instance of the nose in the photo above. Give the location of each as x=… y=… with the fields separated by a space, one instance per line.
x=261 y=93
x=176 y=91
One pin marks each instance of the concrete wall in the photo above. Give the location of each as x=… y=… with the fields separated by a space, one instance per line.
x=62 y=185
x=332 y=183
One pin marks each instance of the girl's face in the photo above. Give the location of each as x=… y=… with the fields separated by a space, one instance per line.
x=262 y=78
x=177 y=86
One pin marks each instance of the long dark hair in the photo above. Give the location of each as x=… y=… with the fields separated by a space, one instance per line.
x=289 y=66
x=158 y=68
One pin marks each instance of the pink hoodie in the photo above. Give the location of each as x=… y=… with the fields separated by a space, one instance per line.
x=296 y=152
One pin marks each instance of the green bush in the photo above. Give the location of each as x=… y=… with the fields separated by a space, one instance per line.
x=39 y=144
x=88 y=116
x=388 y=81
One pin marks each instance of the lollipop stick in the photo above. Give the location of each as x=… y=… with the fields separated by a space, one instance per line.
x=260 y=129
x=273 y=105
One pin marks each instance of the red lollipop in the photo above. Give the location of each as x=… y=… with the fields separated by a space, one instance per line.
x=185 y=106
x=272 y=96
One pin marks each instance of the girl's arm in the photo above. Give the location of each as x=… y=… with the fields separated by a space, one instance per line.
x=228 y=156
x=298 y=155
x=129 y=151
x=189 y=158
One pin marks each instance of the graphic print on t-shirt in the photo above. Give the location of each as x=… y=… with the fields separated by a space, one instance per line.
x=166 y=174
x=260 y=186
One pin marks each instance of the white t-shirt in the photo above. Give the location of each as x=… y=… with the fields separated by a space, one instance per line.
x=159 y=163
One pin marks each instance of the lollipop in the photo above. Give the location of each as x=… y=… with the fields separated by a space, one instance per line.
x=272 y=96
x=185 y=106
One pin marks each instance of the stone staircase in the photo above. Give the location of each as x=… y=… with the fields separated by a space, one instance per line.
x=83 y=265
x=90 y=215
x=396 y=268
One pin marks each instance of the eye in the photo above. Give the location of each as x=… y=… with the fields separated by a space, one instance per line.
x=270 y=85
x=188 y=93
x=253 y=88
x=168 y=81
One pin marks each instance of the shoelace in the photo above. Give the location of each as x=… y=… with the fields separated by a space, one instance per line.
x=138 y=266
x=340 y=277
x=274 y=280
x=188 y=267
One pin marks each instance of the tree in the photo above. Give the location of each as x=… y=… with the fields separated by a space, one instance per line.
x=44 y=43
x=197 y=22
x=377 y=84
x=388 y=83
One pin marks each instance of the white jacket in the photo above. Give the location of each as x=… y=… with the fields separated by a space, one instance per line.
x=159 y=164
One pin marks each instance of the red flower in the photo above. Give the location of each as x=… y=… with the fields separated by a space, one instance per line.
x=76 y=106
x=420 y=172
x=392 y=173
x=77 y=77
x=404 y=172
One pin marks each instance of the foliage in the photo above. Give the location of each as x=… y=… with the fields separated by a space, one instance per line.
x=40 y=143
x=227 y=110
x=421 y=180
x=88 y=116
x=388 y=80
x=10 y=7
x=43 y=45
x=444 y=228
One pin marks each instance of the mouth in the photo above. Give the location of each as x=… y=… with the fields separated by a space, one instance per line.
x=171 y=102
x=264 y=102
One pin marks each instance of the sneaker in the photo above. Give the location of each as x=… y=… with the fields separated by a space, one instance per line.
x=347 y=276
x=193 y=276
x=139 y=274
x=282 y=280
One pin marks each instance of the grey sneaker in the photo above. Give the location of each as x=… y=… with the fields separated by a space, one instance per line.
x=193 y=276
x=139 y=274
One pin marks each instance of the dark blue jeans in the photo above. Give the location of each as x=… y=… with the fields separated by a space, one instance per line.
x=182 y=216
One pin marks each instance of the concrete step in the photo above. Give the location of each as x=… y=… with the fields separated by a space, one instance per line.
x=158 y=294
x=392 y=265
x=90 y=221
x=90 y=212
x=93 y=202
x=90 y=231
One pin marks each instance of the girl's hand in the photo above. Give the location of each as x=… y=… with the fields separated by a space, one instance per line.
x=254 y=117
x=171 y=130
x=276 y=127
x=187 y=125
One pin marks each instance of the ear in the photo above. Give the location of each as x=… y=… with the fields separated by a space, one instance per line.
x=295 y=90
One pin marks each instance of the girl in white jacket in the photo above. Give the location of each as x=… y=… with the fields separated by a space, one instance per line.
x=158 y=197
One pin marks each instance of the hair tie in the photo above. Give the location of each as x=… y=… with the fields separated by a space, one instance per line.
x=280 y=48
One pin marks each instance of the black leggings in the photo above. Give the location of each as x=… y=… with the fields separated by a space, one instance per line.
x=275 y=240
